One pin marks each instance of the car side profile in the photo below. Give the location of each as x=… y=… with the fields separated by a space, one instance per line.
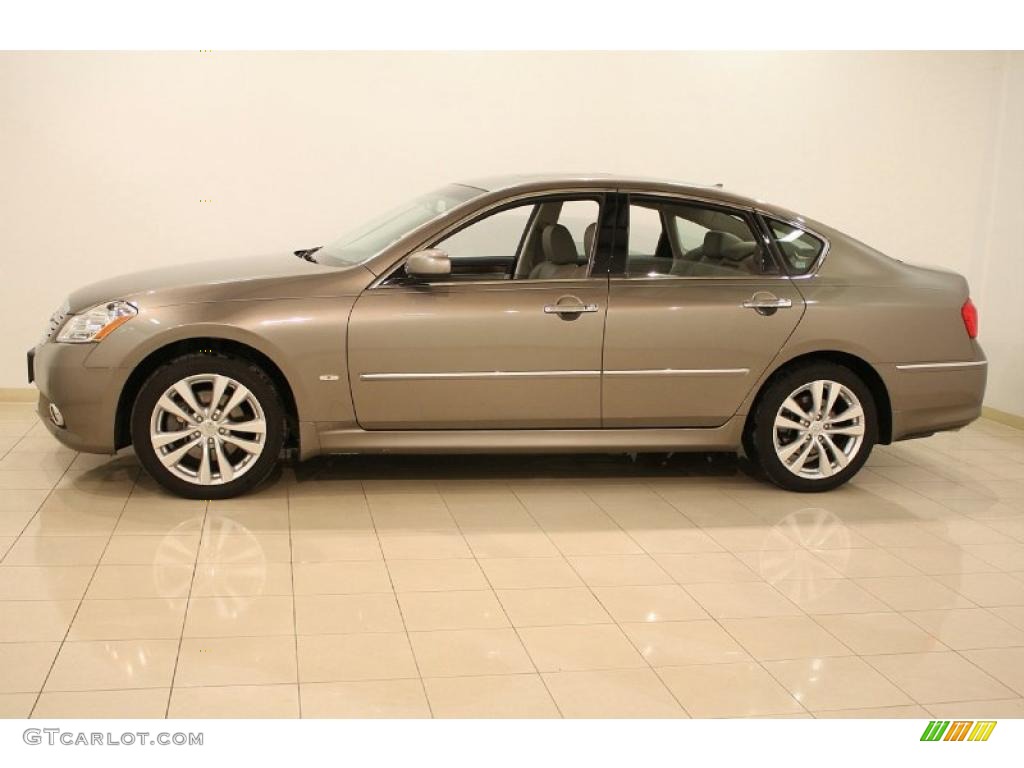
x=521 y=314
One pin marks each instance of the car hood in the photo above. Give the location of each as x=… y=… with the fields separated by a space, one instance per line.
x=259 y=277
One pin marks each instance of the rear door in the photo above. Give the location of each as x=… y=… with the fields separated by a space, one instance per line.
x=697 y=309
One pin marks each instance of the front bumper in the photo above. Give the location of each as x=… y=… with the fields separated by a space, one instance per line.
x=87 y=397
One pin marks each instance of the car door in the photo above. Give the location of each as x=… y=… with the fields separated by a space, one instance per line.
x=510 y=340
x=697 y=310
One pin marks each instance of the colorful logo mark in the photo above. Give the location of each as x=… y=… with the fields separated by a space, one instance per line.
x=958 y=730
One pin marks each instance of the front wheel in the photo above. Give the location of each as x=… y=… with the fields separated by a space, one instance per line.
x=208 y=426
x=814 y=427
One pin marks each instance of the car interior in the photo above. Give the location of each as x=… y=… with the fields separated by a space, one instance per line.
x=676 y=240
x=554 y=239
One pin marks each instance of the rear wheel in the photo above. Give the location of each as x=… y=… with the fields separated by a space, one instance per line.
x=814 y=427
x=208 y=426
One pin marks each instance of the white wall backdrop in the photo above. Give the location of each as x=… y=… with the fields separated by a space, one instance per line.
x=107 y=160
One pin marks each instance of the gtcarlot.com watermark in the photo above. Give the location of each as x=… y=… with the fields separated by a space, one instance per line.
x=59 y=737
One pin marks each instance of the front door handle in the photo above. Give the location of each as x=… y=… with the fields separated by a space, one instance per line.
x=569 y=305
x=766 y=303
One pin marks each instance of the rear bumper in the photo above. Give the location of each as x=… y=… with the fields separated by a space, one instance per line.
x=932 y=397
x=87 y=397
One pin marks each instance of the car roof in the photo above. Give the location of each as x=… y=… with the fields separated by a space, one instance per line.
x=540 y=181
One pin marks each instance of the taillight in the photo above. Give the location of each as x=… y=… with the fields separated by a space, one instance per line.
x=969 y=313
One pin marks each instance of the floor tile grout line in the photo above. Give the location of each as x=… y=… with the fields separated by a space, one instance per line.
x=88 y=584
x=188 y=606
x=33 y=516
x=294 y=598
x=617 y=624
x=710 y=616
x=852 y=653
x=590 y=589
x=1017 y=696
x=398 y=603
x=501 y=605
x=952 y=544
x=724 y=629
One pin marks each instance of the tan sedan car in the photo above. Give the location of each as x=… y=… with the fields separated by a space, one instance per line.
x=533 y=314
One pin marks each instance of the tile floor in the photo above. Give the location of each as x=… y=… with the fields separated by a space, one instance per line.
x=515 y=587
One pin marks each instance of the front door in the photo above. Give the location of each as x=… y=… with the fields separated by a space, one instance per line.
x=511 y=340
x=697 y=310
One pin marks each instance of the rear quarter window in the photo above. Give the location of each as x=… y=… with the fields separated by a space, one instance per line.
x=800 y=249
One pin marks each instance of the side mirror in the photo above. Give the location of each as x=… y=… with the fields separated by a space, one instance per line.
x=429 y=264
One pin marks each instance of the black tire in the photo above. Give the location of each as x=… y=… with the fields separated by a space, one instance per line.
x=242 y=371
x=759 y=442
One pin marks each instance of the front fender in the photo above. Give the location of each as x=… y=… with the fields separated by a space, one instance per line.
x=305 y=338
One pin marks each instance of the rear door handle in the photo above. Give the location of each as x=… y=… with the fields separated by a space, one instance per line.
x=766 y=303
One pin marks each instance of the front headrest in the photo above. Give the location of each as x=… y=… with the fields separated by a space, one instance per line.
x=716 y=242
x=558 y=245
x=588 y=237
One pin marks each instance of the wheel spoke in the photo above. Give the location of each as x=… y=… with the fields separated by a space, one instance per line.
x=824 y=462
x=237 y=398
x=172 y=458
x=851 y=413
x=834 y=390
x=161 y=439
x=220 y=383
x=788 y=450
x=781 y=422
x=184 y=390
x=227 y=472
x=176 y=410
x=800 y=460
x=204 y=464
x=854 y=429
x=841 y=459
x=249 y=446
x=793 y=406
x=817 y=390
x=256 y=426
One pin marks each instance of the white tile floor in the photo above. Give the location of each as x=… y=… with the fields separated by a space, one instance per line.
x=515 y=586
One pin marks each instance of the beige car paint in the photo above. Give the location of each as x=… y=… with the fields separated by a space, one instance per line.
x=683 y=352
x=648 y=378
x=478 y=356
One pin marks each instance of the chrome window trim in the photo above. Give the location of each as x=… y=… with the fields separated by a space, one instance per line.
x=939 y=366
x=648 y=280
x=737 y=209
x=481 y=213
x=799 y=224
x=519 y=284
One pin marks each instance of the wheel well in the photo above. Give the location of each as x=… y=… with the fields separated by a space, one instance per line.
x=122 y=429
x=856 y=364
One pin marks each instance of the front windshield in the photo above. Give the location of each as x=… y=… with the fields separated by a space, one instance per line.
x=371 y=238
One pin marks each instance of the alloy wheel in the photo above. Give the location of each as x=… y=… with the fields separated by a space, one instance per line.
x=208 y=429
x=819 y=429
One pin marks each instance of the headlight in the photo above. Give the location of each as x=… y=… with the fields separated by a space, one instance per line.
x=97 y=323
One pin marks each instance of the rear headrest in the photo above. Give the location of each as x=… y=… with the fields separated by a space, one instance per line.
x=716 y=242
x=740 y=251
x=558 y=245
x=588 y=238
